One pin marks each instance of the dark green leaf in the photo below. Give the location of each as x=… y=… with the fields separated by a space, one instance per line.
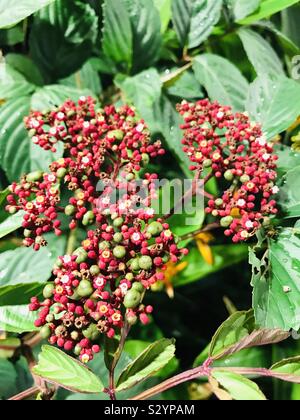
x=69 y=31
x=290 y=194
x=86 y=78
x=194 y=20
x=58 y=368
x=11 y=224
x=25 y=66
x=8 y=377
x=117 y=34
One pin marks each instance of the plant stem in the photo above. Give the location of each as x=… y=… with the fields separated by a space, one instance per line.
x=203 y=371
x=25 y=394
x=118 y=354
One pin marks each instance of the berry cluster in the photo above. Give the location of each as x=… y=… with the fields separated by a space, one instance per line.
x=102 y=284
x=112 y=269
x=233 y=149
x=105 y=149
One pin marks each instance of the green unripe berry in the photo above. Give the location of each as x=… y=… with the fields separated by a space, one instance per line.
x=118 y=237
x=34 y=176
x=77 y=350
x=166 y=258
x=81 y=255
x=103 y=246
x=45 y=332
x=70 y=210
x=132 y=320
x=207 y=163
x=32 y=132
x=119 y=252
x=132 y=299
x=226 y=221
x=48 y=291
x=130 y=177
x=215 y=213
x=129 y=276
x=58 y=263
x=116 y=134
x=92 y=333
x=134 y=265
x=145 y=159
x=138 y=287
x=244 y=179
x=155 y=228
x=219 y=202
x=229 y=176
x=85 y=288
x=145 y=263
x=88 y=218
x=61 y=173
x=94 y=270
x=118 y=222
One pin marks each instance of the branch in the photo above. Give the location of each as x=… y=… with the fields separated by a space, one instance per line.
x=31 y=392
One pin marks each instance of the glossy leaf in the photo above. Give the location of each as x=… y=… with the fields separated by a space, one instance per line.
x=276 y=289
x=17 y=319
x=269 y=102
x=260 y=53
x=12 y=12
x=70 y=31
x=289 y=193
x=222 y=80
x=242 y=8
x=8 y=377
x=11 y=224
x=267 y=8
x=58 y=368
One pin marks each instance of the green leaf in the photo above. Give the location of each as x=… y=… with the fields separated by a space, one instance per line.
x=222 y=80
x=117 y=41
x=19 y=294
x=164 y=8
x=242 y=8
x=286 y=43
x=290 y=194
x=275 y=281
x=288 y=369
x=12 y=36
x=69 y=31
x=287 y=159
x=24 y=265
x=50 y=96
x=186 y=86
x=12 y=83
x=267 y=8
x=58 y=368
x=198 y=269
x=239 y=388
x=11 y=224
x=8 y=377
x=194 y=20
x=18 y=154
x=25 y=66
x=17 y=319
x=290 y=23
x=11 y=12
x=260 y=53
x=233 y=330
x=146 y=32
x=269 y=102
x=154 y=358
x=86 y=78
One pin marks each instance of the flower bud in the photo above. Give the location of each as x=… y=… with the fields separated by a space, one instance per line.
x=45 y=332
x=226 y=221
x=91 y=333
x=132 y=299
x=85 y=288
x=155 y=228
x=70 y=210
x=138 y=287
x=34 y=176
x=145 y=263
x=94 y=270
x=48 y=291
x=81 y=255
x=119 y=252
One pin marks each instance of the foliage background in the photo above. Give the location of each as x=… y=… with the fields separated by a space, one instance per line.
x=153 y=54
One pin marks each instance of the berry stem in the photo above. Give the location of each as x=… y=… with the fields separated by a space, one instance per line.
x=118 y=354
